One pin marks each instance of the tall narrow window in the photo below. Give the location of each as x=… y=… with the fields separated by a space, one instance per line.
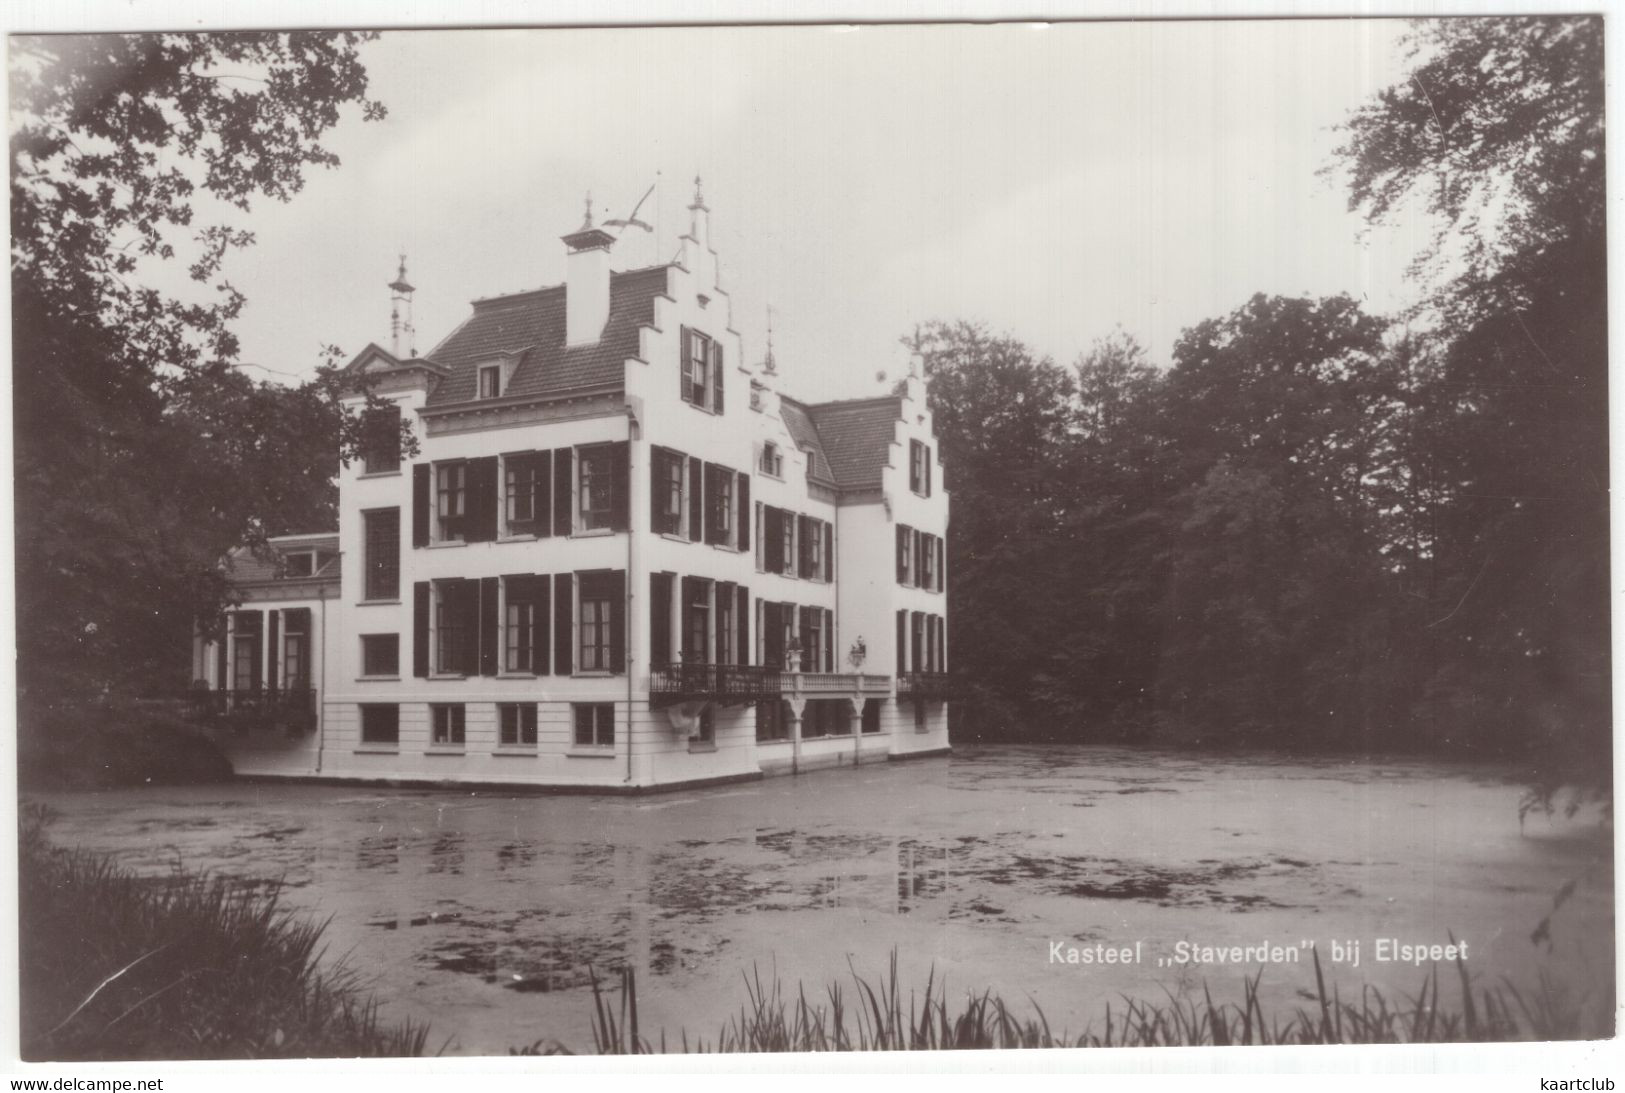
x=724 y=639
x=382 y=530
x=296 y=648
x=595 y=487
x=599 y=639
x=381 y=440
x=456 y=606
x=450 y=501
x=519 y=492
x=919 y=468
x=520 y=629
x=696 y=620
x=245 y=650
x=905 y=554
x=669 y=479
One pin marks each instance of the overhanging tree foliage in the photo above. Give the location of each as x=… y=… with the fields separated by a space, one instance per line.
x=142 y=454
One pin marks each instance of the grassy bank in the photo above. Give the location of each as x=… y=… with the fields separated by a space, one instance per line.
x=119 y=967
x=887 y=1017
x=96 y=744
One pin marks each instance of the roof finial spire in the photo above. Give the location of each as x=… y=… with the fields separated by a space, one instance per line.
x=586 y=219
x=770 y=365
x=699 y=196
x=400 y=292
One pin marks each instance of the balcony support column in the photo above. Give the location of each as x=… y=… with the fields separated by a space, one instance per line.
x=798 y=706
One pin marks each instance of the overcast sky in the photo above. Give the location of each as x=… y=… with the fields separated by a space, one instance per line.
x=1051 y=181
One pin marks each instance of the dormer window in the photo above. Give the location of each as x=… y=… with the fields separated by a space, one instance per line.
x=299 y=564
x=772 y=460
x=490 y=380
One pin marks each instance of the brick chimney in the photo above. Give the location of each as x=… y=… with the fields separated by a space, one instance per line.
x=586 y=283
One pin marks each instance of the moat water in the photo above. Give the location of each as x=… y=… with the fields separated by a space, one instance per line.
x=480 y=913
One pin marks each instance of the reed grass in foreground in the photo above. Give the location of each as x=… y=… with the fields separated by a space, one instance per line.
x=877 y=1018
x=114 y=966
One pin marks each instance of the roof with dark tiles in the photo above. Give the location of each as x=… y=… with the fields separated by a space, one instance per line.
x=531 y=324
x=851 y=440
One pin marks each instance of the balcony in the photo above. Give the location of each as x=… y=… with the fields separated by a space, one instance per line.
x=742 y=685
x=724 y=684
x=292 y=710
x=927 y=686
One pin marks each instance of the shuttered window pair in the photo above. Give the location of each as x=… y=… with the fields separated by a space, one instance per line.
x=920 y=559
x=564 y=491
x=922 y=642
x=481 y=627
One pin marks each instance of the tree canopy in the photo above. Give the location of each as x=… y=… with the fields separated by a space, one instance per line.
x=142 y=453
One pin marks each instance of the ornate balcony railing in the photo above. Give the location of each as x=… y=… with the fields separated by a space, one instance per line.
x=929 y=686
x=725 y=684
x=292 y=709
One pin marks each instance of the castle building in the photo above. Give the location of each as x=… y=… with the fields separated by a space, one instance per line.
x=620 y=558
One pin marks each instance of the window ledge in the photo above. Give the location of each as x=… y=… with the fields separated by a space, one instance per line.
x=378 y=749
x=377 y=679
x=445 y=749
x=448 y=544
x=377 y=603
x=674 y=537
x=447 y=675
x=396 y=473
x=593 y=533
x=520 y=537
x=516 y=675
x=701 y=747
x=595 y=675
x=775 y=740
x=515 y=751
x=581 y=751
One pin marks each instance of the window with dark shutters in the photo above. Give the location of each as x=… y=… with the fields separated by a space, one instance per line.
x=686 y=378
x=490 y=625
x=716 y=376
x=525 y=623
x=620 y=485
x=773 y=539
x=526 y=497
x=829 y=551
x=420 y=629
x=742 y=614
x=696 y=500
x=772 y=635
x=805 y=548
x=481 y=525
x=564 y=492
x=942 y=561
x=601 y=622
x=718 y=496
x=829 y=640
x=905 y=552
x=919 y=559
x=725 y=630
x=902 y=643
x=421 y=500
x=788 y=519
x=666 y=491
x=812 y=642
x=660 y=619
x=917 y=641
x=564 y=606
x=696 y=605
x=742 y=506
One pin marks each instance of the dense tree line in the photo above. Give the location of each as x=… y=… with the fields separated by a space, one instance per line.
x=1316 y=526
x=143 y=452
